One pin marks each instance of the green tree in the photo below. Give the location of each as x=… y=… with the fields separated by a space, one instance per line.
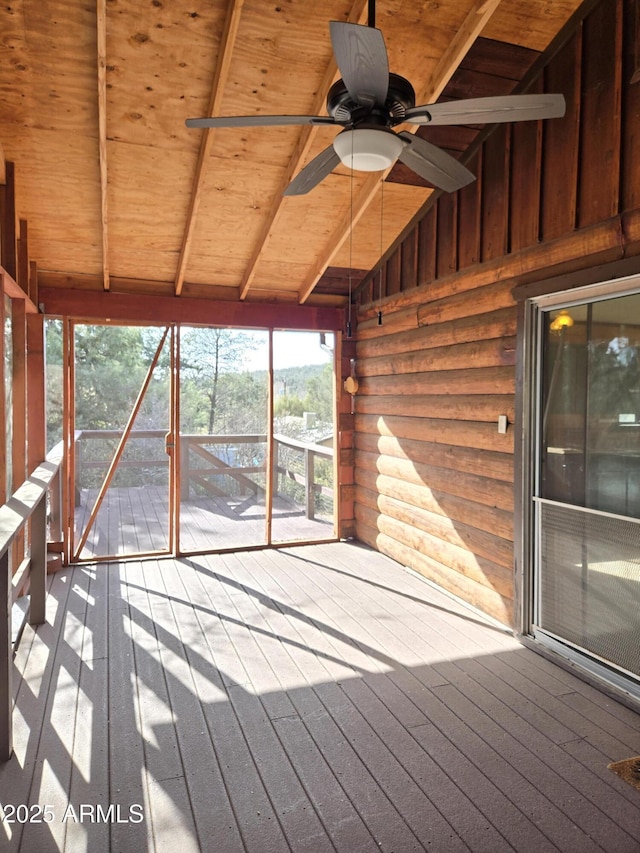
x=212 y=359
x=54 y=381
x=287 y=405
x=319 y=396
x=110 y=366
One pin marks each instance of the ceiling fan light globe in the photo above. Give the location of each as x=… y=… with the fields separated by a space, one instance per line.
x=368 y=149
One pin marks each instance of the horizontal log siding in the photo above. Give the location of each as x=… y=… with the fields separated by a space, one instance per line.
x=433 y=477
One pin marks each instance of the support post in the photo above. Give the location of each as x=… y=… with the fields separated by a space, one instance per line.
x=36 y=419
x=185 y=460
x=38 y=575
x=274 y=480
x=6 y=660
x=309 y=476
x=78 y=457
x=55 y=509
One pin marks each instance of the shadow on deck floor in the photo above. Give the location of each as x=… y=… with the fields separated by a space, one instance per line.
x=318 y=698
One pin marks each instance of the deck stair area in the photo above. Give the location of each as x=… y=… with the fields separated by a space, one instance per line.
x=317 y=698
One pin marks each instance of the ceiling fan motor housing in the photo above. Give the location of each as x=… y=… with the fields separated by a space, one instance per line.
x=400 y=98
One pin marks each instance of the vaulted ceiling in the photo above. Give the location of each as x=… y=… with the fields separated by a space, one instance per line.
x=119 y=195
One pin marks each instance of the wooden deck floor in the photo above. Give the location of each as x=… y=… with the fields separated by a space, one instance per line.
x=136 y=521
x=314 y=699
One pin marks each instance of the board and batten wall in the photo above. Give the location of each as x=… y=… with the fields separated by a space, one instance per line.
x=434 y=479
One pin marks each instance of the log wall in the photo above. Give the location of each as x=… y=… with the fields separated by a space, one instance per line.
x=434 y=478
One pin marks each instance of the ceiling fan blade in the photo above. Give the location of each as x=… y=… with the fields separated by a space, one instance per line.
x=257 y=121
x=489 y=110
x=433 y=164
x=361 y=56
x=313 y=172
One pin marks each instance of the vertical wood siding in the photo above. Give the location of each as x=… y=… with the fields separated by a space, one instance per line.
x=346 y=423
x=433 y=477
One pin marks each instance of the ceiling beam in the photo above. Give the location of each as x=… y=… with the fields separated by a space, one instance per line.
x=227 y=44
x=96 y=305
x=305 y=140
x=101 y=14
x=10 y=286
x=475 y=21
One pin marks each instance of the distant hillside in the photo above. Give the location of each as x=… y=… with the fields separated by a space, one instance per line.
x=293 y=381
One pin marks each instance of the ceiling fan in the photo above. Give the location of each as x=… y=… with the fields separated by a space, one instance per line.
x=368 y=101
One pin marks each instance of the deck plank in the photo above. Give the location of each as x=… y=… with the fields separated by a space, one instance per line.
x=403 y=744
x=259 y=822
x=184 y=719
x=316 y=698
x=157 y=729
x=279 y=708
x=88 y=784
x=33 y=670
x=514 y=709
x=416 y=809
x=52 y=774
x=135 y=520
x=321 y=780
x=126 y=765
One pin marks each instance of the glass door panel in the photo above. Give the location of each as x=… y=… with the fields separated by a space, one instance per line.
x=304 y=436
x=223 y=459
x=588 y=499
x=121 y=419
x=564 y=412
x=613 y=410
x=591 y=406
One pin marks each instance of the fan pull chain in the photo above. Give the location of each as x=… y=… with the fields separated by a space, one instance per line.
x=349 y=334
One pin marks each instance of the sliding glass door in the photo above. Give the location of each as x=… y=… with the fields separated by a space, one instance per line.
x=587 y=491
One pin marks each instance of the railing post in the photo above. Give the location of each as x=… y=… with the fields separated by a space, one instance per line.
x=276 y=453
x=77 y=464
x=55 y=508
x=309 y=476
x=6 y=660
x=185 y=461
x=38 y=573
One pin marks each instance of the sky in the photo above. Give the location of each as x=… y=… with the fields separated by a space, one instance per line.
x=293 y=349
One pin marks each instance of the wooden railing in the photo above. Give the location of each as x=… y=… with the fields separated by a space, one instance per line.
x=307 y=480
x=196 y=445
x=211 y=464
x=28 y=504
x=241 y=474
x=84 y=464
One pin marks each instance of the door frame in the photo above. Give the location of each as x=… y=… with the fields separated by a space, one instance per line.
x=270 y=493
x=172 y=336
x=73 y=549
x=533 y=299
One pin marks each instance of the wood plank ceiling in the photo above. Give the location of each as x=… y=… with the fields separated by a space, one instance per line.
x=120 y=195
